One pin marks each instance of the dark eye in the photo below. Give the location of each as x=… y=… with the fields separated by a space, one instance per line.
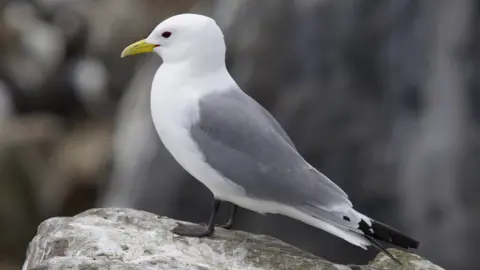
x=166 y=34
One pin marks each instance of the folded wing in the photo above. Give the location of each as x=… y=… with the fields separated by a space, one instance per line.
x=245 y=144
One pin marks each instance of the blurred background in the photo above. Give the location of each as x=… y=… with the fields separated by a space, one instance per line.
x=382 y=96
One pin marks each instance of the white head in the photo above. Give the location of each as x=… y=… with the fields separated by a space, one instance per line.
x=186 y=37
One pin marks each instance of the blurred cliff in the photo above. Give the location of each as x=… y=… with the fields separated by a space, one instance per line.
x=381 y=96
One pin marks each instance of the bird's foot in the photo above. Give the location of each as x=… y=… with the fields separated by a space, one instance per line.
x=227 y=226
x=193 y=230
x=231 y=220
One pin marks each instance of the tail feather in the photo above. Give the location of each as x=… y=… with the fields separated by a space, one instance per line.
x=355 y=238
x=379 y=231
x=355 y=228
x=385 y=233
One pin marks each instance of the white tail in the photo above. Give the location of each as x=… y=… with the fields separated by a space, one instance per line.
x=354 y=238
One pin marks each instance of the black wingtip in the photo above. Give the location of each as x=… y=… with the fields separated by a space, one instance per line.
x=385 y=233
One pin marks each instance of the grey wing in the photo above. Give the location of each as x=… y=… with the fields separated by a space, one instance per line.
x=244 y=143
x=271 y=120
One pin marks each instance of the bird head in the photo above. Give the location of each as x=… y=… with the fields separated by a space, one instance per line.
x=181 y=38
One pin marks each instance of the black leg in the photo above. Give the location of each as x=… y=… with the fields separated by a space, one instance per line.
x=231 y=220
x=196 y=230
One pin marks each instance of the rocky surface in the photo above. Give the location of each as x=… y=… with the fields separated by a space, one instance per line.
x=117 y=238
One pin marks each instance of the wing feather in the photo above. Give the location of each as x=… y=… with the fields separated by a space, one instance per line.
x=245 y=144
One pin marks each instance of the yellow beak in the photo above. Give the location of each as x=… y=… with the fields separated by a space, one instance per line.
x=138 y=47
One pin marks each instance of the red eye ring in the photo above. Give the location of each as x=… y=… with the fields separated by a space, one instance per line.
x=166 y=34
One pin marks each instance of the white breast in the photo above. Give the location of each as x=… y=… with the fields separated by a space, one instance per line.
x=175 y=109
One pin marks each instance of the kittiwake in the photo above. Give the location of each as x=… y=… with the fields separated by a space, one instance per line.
x=230 y=143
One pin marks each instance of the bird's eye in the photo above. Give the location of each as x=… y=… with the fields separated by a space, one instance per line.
x=166 y=34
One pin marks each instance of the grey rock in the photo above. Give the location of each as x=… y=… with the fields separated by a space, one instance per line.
x=120 y=238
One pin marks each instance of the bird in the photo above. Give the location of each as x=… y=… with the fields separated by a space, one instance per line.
x=226 y=140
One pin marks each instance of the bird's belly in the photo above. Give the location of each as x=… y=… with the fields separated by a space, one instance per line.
x=185 y=151
x=172 y=117
x=259 y=206
x=176 y=138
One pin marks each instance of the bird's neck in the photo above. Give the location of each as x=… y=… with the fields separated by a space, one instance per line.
x=183 y=75
x=195 y=66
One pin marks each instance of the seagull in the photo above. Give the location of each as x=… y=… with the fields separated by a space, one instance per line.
x=234 y=146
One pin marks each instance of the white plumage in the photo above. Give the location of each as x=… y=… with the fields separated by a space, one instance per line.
x=204 y=119
x=176 y=91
